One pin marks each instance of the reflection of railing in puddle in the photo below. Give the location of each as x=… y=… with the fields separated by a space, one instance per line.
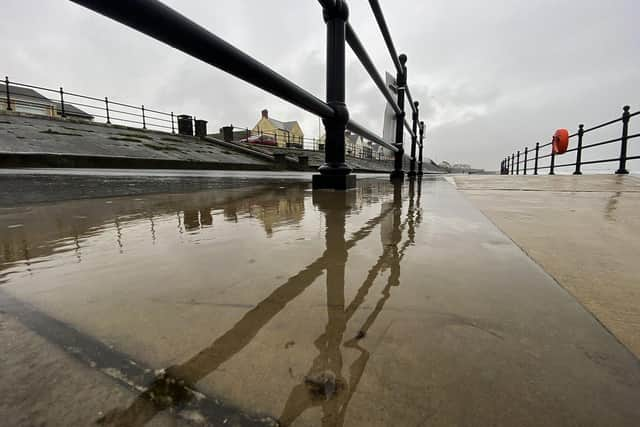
x=334 y=395
x=67 y=226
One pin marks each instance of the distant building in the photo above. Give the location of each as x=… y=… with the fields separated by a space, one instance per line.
x=378 y=152
x=25 y=100
x=286 y=134
x=355 y=145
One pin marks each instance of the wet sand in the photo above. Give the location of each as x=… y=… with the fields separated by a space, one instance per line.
x=388 y=305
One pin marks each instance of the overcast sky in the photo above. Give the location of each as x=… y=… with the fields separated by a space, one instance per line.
x=491 y=76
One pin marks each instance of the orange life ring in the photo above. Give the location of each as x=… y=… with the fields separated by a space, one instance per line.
x=560 y=141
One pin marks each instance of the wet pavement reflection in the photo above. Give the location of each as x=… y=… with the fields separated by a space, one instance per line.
x=266 y=305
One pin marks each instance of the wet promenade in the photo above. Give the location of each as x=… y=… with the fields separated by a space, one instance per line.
x=255 y=301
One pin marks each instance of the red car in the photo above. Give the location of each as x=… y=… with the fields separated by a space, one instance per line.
x=261 y=140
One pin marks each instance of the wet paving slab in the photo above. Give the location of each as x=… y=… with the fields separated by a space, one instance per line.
x=263 y=304
x=583 y=230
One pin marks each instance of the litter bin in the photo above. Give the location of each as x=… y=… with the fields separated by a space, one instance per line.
x=227 y=133
x=201 y=128
x=185 y=125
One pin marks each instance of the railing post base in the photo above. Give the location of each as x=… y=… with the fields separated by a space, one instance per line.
x=622 y=172
x=577 y=173
x=335 y=174
x=333 y=182
x=397 y=176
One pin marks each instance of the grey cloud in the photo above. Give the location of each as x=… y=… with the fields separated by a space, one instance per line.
x=491 y=76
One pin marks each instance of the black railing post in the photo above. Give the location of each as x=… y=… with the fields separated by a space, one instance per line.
x=518 y=163
x=513 y=166
x=401 y=81
x=6 y=85
x=526 y=155
x=579 y=150
x=421 y=127
x=535 y=165
x=173 y=129
x=106 y=107
x=414 y=140
x=334 y=173
x=62 y=102
x=553 y=161
x=144 y=122
x=506 y=168
x=622 y=169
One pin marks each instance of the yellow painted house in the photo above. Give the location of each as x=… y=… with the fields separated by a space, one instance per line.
x=286 y=134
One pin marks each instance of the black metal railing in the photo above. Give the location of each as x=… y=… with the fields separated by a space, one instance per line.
x=284 y=139
x=157 y=20
x=514 y=165
x=24 y=97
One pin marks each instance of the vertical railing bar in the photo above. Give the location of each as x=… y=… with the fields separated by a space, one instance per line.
x=421 y=127
x=401 y=80
x=414 y=138
x=526 y=155
x=622 y=169
x=579 y=150
x=62 y=102
x=6 y=82
x=106 y=104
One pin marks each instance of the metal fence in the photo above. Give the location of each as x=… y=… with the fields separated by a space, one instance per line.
x=275 y=139
x=165 y=24
x=535 y=160
x=60 y=103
